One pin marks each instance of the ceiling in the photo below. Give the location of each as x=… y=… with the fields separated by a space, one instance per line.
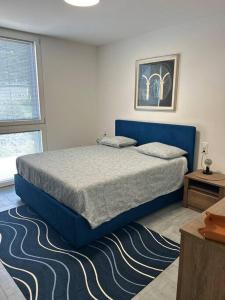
x=107 y=22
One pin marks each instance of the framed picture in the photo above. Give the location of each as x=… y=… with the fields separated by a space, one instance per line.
x=156 y=83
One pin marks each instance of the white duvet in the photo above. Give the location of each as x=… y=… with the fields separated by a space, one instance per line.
x=100 y=182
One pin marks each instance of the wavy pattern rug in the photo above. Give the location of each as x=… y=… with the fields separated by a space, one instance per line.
x=45 y=267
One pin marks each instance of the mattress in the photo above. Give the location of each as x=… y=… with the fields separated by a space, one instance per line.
x=100 y=182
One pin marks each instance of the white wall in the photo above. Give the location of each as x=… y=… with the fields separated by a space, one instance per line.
x=201 y=88
x=69 y=75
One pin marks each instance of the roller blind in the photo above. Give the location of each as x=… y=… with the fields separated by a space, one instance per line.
x=19 y=95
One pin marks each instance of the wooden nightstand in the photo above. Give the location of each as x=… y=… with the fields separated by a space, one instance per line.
x=202 y=191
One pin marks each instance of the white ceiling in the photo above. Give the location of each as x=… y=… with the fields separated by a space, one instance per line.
x=109 y=21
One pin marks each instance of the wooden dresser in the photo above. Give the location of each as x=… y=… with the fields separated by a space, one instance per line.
x=202 y=262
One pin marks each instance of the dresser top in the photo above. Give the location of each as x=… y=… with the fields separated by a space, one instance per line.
x=193 y=226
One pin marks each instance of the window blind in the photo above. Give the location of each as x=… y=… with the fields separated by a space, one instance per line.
x=19 y=95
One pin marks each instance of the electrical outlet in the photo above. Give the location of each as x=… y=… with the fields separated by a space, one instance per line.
x=205 y=147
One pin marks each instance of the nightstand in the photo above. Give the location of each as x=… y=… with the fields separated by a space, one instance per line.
x=202 y=191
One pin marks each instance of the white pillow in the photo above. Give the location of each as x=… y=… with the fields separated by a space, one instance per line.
x=161 y=150
x=116 y=141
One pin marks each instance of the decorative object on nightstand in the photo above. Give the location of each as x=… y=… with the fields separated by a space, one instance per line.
x=206 y=162
x=202 y=191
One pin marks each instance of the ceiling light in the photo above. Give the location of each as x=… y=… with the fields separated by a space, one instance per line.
x=82 y=3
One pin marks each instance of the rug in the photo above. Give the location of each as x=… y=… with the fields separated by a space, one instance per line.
x=45 y=266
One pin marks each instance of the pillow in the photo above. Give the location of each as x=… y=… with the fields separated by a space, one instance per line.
x=161 y=150
x=116 y=141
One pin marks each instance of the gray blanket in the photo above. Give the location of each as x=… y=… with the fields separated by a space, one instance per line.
x=100 y=182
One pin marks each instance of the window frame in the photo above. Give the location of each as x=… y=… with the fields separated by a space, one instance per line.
x=19 y=126
x=27 y=128
x=21 y=129
x=24 y=37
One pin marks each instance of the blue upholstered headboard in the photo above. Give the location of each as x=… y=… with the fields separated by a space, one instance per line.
x=181 y=136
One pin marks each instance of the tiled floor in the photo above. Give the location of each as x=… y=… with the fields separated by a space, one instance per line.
x=167 y=222
x=8 y=199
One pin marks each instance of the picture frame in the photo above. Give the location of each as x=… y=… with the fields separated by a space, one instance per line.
x=156 y=83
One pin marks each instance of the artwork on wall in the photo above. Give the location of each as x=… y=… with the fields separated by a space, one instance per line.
x=156 y=83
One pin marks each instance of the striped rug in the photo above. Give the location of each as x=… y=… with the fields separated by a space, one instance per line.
x=46 y=267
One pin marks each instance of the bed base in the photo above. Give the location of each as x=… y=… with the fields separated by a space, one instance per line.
x=72 y=226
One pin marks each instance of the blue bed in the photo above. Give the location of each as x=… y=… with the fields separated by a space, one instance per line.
x=73 y=226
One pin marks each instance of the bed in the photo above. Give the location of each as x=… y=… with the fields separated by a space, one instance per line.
x=100 y=209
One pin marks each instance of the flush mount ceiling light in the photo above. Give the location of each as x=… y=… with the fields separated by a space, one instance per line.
x=82 y=3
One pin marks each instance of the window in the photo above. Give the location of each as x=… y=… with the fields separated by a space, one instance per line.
x=22 y=119
x=14 y=145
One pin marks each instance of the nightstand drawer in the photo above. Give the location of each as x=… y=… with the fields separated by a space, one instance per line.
x=200 y=200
